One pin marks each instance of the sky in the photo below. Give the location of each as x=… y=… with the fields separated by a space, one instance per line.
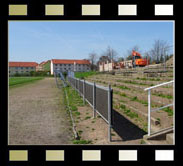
x=39 y=41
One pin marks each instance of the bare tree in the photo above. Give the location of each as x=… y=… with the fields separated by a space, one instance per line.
x=110 y=53
x=159 y=50
x=93 y=60
x=103 y=58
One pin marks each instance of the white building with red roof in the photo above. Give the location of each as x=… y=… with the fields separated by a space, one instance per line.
x=21 y=67
x=65 y=65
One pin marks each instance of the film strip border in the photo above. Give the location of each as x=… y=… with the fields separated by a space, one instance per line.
x=89 y=10
x=90 y=155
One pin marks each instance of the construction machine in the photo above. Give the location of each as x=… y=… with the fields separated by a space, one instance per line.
x=137 y=60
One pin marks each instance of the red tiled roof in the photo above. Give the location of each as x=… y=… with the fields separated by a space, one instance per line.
x=69 y=61
x=23 y=64
x=44 y=62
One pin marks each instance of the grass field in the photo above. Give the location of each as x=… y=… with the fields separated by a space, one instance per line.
x=22 y=80
x=85 y=74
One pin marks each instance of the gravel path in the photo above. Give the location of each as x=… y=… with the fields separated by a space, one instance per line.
x=37 y=115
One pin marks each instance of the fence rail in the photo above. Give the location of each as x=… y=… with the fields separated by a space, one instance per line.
x=98 y=97
x=149 y=103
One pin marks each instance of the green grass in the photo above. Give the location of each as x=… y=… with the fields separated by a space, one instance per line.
x=85 y=74
x=87 y=117
x=132 y=115
x=142 y=142
x=46 y=66
x=135 y=98
x=139 y=101
x=82 y=142
x=74 y=99
x=123 y=87
x=134 y=82
x=169 y=111
x=148 y=79
x=128 y=112
x=22 y=80
x=163 y=95
x=158 y=119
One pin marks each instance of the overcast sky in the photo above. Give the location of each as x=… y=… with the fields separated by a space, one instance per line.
x=39 y=41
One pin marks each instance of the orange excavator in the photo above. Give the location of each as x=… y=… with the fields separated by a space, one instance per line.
x=137 y=60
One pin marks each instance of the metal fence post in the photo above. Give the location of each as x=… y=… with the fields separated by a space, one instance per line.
x=109 y=113
x=75 y=83
x=84 y=91
x=78 y=85
x=149 y=112
x=94 y=113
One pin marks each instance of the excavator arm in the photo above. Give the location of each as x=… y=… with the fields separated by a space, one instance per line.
x=135 y=53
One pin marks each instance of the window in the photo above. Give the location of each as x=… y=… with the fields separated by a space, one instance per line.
x=60 y=64
x=69 y=64
x=21 y=67
x=32 y=68
x=27 y=67
x=16 y=67
x=27 y=71
x=64 y=64
x=55 y=64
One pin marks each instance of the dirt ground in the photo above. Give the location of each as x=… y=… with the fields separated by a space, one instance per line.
x=96 y=129
x=37 y=115
x=135 y=106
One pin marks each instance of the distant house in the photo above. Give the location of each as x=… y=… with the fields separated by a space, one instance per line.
x=21 y=67
x=43 y=66
x=70 y=65
x=106 y=66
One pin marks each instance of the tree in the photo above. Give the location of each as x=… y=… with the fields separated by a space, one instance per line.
x=93 y=60
x=159 y=50
x=121 y=59
x=110 y=53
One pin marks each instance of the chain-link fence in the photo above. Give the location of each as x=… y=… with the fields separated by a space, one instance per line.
x=99 y=98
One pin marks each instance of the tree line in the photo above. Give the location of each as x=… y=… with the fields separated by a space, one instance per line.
x=159 y=53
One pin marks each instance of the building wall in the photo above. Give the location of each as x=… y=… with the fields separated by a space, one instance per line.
x=70 y=67
x=106 y=66
x=101 y=67
x=21 y=70
x=128 y=64
x=51 y=67
x=110 y=66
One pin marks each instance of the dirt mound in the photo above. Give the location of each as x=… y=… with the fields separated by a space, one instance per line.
x=169 y=62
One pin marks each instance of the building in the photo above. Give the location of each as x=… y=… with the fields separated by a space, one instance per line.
x=126 y=64
x=109 y=66
x=70 y=65
x=21 y=67
x=106 y=66
x=43 y=66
